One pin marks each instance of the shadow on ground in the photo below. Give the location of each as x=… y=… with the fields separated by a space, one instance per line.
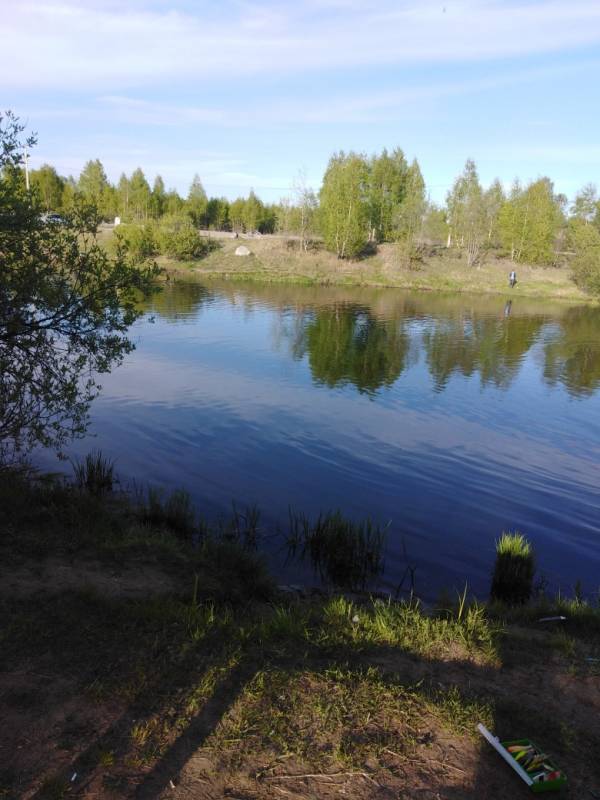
x=158 y=699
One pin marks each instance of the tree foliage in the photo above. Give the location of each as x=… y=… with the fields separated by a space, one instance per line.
x=344 y=204
x=585 y=207
x=529 y=222
x=363 y=201
x=584 y=239
x=386 y=190
x=466 y=214
x=50 y=188
x=65 y=308
x=197 y=202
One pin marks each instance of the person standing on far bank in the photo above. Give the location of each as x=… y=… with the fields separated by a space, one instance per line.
x=512 y=278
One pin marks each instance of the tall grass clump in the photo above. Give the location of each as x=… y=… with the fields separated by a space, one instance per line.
x=347 y=554
x=241 y=528
x=175 y=512
x=95 y=474
x=512 y=580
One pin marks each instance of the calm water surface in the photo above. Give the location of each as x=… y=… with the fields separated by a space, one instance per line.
x=450 y=417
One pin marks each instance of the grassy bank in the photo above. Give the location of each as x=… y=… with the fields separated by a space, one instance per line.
x=136 y=665
x=273 y=260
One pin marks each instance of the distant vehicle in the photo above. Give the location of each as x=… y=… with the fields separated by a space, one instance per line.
x=53 y=219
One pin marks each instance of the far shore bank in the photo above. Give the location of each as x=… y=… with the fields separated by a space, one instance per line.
x=278 y=260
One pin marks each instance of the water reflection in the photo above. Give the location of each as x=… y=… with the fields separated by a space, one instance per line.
x=368 y=338
x=179 y=301
x=347 y=344
x=490 y=347
x=572 y=356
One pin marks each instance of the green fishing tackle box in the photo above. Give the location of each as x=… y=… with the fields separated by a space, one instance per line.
x=542 y=786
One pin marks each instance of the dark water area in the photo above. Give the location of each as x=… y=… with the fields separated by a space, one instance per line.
x=452 y=418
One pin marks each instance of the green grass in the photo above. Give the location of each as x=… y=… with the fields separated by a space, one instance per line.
x=45 y=516
x=514 y=545
x=336 y=715
x=512 y=581
x=405 y=625
x=95 y=474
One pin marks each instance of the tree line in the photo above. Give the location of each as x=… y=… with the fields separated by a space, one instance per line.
x=363 y=201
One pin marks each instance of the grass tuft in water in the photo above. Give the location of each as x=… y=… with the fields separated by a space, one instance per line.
x=176 y=512
x=95 y=473
x=347 y=554
x=512 y=581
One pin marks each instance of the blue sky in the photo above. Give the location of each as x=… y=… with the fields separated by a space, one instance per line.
x=247 y=93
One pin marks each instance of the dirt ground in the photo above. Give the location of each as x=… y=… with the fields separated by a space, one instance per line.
x=264 y=728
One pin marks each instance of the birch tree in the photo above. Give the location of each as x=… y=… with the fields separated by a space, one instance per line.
x=344 y=204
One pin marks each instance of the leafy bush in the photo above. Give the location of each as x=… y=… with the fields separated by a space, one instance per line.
x=585 y=241
x=179 y=239
x=512 y=581
x=139 y=241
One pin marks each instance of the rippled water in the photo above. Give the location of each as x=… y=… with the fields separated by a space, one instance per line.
x=450 y=417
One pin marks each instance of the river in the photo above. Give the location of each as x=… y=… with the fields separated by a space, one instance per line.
x=449 y=417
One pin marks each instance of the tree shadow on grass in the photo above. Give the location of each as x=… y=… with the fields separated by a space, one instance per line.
x=526 y=696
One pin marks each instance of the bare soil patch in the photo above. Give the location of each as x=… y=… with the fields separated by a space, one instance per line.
x=139 y=697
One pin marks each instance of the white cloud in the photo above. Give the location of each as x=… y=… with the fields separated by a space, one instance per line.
x=108 y=46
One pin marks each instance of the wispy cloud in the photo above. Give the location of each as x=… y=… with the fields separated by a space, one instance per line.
x=335 y=108
x=71 y=45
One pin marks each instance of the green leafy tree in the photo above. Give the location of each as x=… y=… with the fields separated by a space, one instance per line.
x=94 y=188
x=586 y=203
x=65 y=309
x=69 y=193
x=510 y=222
x=285 y=219
x=435 y=225
x=158 y=198
x=254 y=212
x=174 y=204
x=197 y=202
x=268 y=222
x=493 y=200
x=123 y=194
x=237 y=213
x=386 y=191
x=584 y=240
x=529 y=222
x=217 y=214
x=408 y=214
x=50 y=187
x=140 y=196
x=466 y=214
x=344 y=204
